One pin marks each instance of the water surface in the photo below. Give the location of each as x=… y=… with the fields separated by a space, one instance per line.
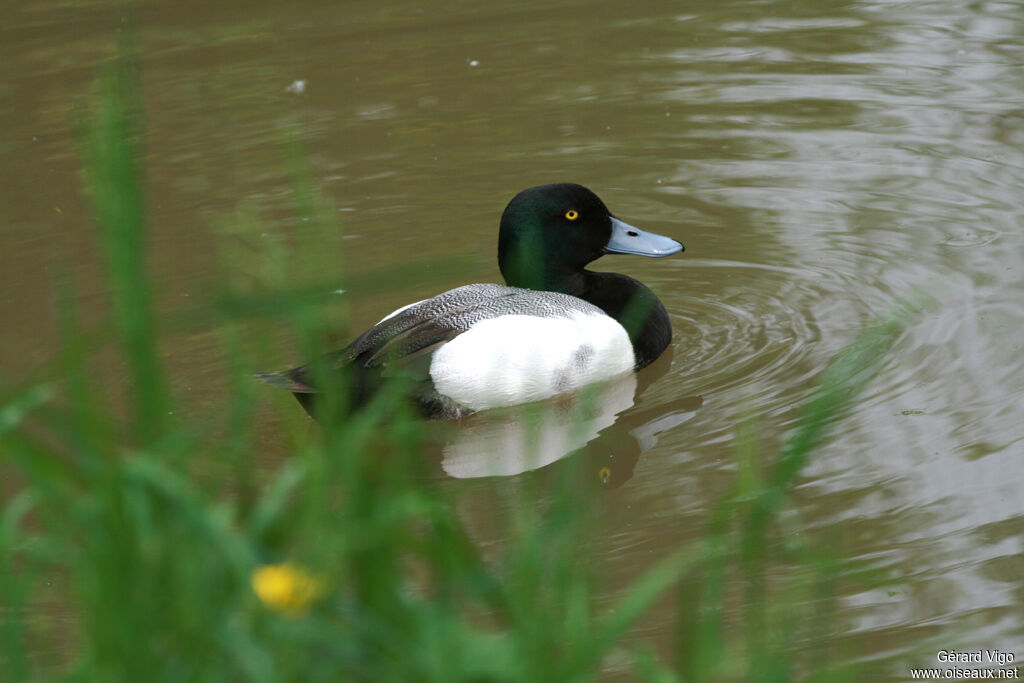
x=820 y=160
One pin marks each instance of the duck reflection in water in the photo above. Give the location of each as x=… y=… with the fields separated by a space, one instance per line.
x=606 y=426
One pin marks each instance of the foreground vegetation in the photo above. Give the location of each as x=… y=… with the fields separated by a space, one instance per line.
x=179 y=557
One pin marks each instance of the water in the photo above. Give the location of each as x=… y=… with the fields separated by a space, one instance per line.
x=820 y=160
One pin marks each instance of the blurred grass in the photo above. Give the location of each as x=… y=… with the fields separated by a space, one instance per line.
x=113 y=143
x=346 y=563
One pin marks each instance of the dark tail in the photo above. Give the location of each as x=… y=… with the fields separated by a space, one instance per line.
x=358 y=382
x=285 y=380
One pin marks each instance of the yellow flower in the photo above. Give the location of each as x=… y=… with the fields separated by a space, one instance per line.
x=287 y=588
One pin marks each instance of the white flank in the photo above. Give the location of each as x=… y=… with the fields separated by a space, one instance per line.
x=395 y=312
x=515 y=359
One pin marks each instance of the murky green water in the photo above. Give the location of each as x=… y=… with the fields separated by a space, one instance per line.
x=820 y=160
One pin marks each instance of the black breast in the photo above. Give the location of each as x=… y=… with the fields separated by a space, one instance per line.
x=636 y=308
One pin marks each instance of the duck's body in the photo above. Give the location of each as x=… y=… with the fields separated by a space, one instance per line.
x=555 y=328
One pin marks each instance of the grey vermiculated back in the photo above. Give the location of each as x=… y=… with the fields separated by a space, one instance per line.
x=443 y=317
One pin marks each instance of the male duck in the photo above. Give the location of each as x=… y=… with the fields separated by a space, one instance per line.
x=555 y=327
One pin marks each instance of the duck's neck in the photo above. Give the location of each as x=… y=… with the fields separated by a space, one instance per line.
x=630 y=302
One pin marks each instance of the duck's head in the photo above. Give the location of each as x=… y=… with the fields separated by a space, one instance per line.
x=550 y=232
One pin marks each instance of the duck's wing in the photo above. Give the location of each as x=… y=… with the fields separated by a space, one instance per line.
x=404 y=338
x=416 y=330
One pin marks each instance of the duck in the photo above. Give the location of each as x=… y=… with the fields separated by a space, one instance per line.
x=552 y=328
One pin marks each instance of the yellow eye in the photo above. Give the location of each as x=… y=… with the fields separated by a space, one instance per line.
x=572 y=214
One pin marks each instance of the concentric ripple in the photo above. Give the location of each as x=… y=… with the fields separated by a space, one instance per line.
x=759 y=334
x=750 y=332
x=753 y=331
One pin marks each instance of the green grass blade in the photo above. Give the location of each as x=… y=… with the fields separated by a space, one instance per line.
x=639 y=597
x=12 y=414
x=14 y=665
x=113 y=151
x=842 y=385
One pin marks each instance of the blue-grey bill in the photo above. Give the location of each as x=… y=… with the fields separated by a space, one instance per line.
x=626 y=239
